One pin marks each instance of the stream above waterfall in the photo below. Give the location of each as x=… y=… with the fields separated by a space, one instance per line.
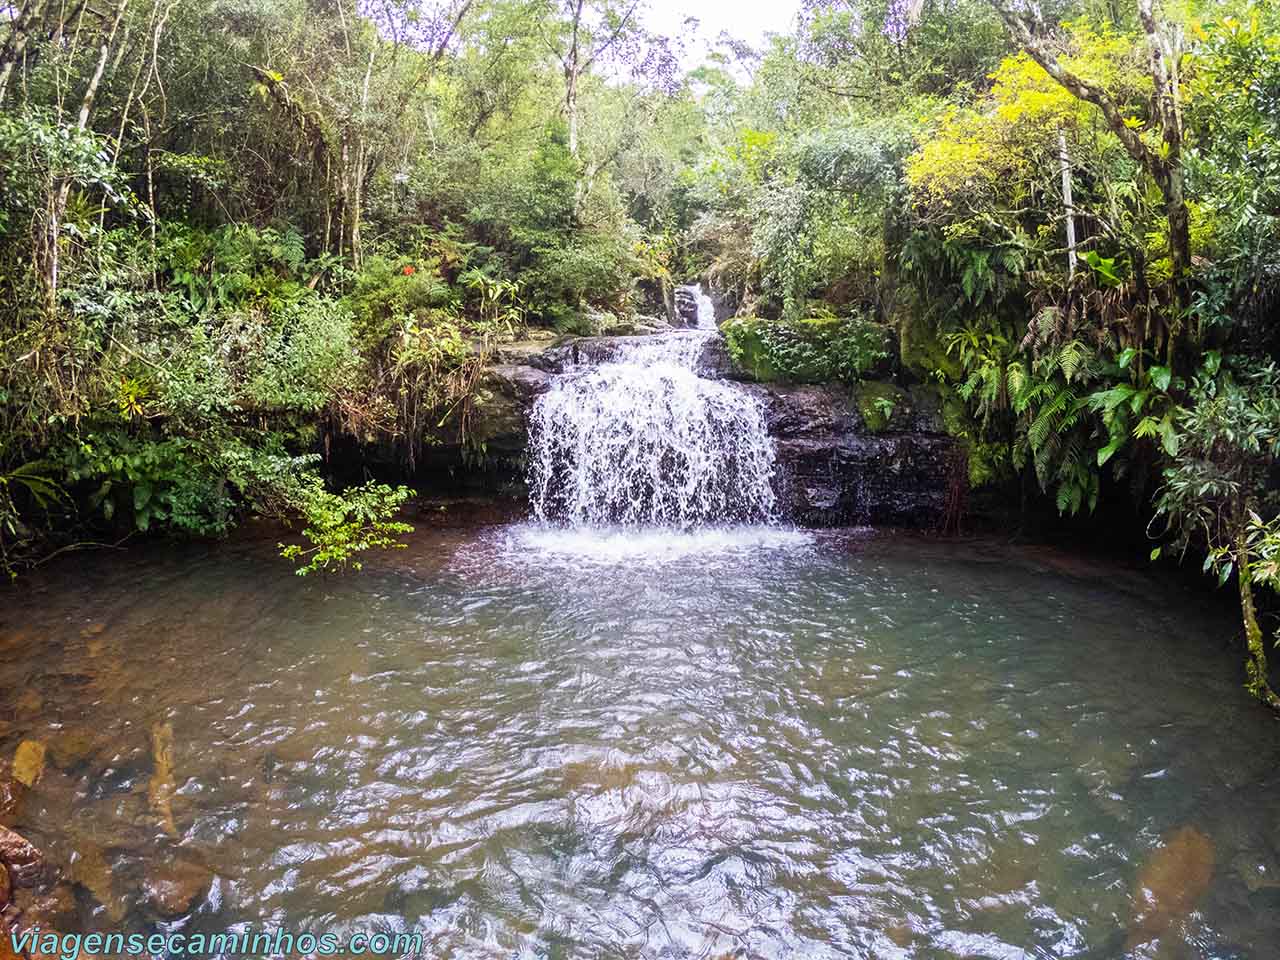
x=820 y=744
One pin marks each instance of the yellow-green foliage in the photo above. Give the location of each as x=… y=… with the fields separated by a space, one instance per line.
x=996 y=147
x=753 y=150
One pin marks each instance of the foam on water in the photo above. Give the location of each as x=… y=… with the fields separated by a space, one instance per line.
x=615 y=544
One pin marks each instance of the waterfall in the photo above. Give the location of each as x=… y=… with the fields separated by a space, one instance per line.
x=643 y=439
x=694 y=308
x=706 y=311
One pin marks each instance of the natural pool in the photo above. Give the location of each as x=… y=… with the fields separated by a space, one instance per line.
x=748 y=743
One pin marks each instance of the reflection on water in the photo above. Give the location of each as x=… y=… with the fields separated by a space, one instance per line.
x=771 y=744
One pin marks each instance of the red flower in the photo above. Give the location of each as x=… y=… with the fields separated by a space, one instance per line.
x=408 y=270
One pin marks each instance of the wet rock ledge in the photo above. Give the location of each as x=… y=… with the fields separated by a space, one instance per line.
x=874 y=454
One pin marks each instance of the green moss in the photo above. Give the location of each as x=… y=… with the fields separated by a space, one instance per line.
x=877 y=402
x=921 y=349
x=955 y=416
x=988 y=462
x=748 y=351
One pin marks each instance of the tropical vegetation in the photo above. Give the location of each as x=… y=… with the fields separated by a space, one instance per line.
x=237 y=234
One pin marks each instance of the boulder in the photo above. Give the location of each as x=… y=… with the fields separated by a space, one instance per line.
x=175 y=888
x=11 y=794
x=835 y=470
x=505 y=394
x=639 y=326
x=1170 y=885
x=24 y=860
x=686 y=303
x=523 y=352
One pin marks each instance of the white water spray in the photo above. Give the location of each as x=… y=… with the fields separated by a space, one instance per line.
x=643 y=439
x=706 y=311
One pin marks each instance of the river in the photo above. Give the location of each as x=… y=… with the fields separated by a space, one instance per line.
x=526 y=741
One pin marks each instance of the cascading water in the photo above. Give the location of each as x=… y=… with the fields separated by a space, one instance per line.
x=642 y=439
x=706 y=310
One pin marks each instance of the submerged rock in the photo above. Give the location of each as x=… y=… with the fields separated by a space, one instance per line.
x=28 y=704
x=71 y=747
x=54 y=909
x=161 y=788
x=6 y=886
x=28 y=762
x=90 y=869
x=175 y=888
x=23 y=859
x=1170 y=884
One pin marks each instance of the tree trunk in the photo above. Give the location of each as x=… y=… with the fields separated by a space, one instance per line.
x=1165 y=49
x=16 y=43
x=1255 y=662
x=54 y=226
x=571 y=111
x=1064 y=161
x=1175 y=208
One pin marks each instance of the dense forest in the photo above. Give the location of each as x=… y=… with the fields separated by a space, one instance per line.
x=236 y=233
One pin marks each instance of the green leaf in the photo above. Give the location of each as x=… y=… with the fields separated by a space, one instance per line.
x=1155 y=554
x=1126 y=357
x=1169 y=436
x=141 y=496
x=1161 y=377
x=1107 y=452
x=1103 y=269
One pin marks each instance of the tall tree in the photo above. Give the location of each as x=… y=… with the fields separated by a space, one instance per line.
x=1163 y=164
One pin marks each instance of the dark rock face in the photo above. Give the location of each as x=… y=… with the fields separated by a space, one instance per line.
x=686 y=301
x=499 y=417
x=833 y=467
x=834 y=471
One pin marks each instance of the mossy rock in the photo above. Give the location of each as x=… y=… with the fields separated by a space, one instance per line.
x=810 y=350
x=881 y=405
x=922 y=351
x=748 y=351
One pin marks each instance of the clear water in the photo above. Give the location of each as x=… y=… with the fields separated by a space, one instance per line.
x=644 y=440
x=743 y=742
